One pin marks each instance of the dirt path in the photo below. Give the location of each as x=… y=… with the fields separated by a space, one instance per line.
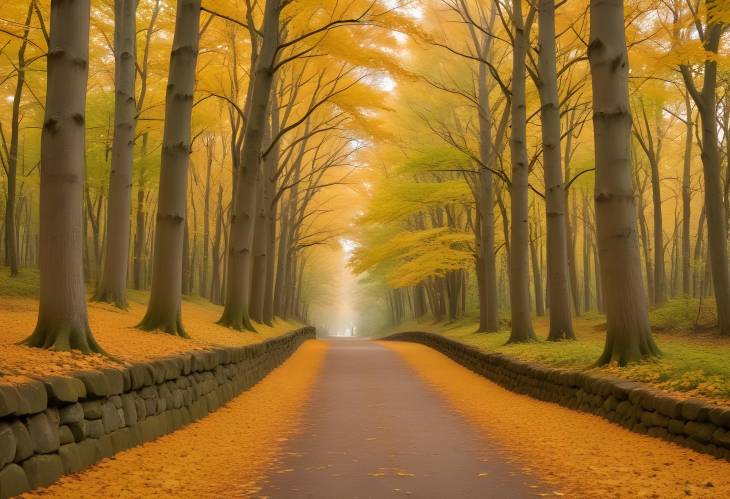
x=374 y=429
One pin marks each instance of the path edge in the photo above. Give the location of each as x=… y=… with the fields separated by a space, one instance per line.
x=690 y=423
x=59 y=425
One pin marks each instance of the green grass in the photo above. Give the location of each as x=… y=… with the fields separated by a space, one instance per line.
x=24 y=285
x=695 y=362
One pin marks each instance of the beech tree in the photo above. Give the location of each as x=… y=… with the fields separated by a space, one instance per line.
x=11 y=161
x=113 y=285
x=163 y=310
x=709 y=32
x=561 y=326
x=240 y=251
x=628 y=335
x=62 y=315
x=521 y=330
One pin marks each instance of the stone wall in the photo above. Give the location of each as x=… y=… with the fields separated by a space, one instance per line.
x=63 y=424
x=688 y=422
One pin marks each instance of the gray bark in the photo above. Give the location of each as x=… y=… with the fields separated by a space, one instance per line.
x=113 y=285
x=558 y=280
x=138 y=263
x=687 y=201
x=520 y=235
x=486 y=259
x=706 y=101
x=628 y=335
x=164 y=309
x=240 y=250
x=11 y=237
x=271 y=164
x=205 y=259
x=62 y=315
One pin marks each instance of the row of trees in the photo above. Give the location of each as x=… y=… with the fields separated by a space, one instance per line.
x=530 y=75
x=272 y=101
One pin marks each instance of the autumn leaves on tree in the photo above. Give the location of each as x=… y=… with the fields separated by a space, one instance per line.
x=539 y=71
x=503 y=159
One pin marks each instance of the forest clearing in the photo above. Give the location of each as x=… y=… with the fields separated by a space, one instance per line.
x=372 y=248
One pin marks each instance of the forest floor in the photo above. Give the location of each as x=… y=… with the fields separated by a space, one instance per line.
x=114 y=330
x=694 y=363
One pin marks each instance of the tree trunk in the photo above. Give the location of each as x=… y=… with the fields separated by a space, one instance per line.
x=646 y=248
x=138 y=278
x=628 y=335
x=486 y=260
x=185 y=267
x=687 y=201
x=282 y=258
x=203 y=288
x=236 y=311
x=569 y=224
x=597 y=275
x=269 y=310
x=586 y=258
x=215 y=273
x=660 y=288
x=520 y=234
x=164 y=309
x=271 y=163
x=260 y=247
x=697 y=262
x=62 y=316
x=558 y=280
x=706 y=101
x=537 y=278
x=264 y=200
x=11 y=241
x=113 y=285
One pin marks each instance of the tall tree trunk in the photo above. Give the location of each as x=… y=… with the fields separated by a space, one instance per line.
x=486 y=261
x=185 y=267
x=269 y=310
x=569 y=224
x=62 y=317
x=138 y=264
x=706 y=101
x=586 y=257
x=271 y=163
x=236 y=311
x=282 y=258
x=203 y=288
x=164 y=309
x=113 y=285
x=687 y=200
x=646 y=247
x=537 y=278
x=11 y=241
x=558 y=280
x=520 y=234
x=215 y=273
x=597 y=275
x=264 y=201
x=660 y=287
x=260 y=246
x=628 y=335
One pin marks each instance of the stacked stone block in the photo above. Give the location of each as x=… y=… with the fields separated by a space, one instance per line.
x=689 y=422
x=62 y=424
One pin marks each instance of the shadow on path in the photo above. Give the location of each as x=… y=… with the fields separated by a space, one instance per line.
x=373 y=429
